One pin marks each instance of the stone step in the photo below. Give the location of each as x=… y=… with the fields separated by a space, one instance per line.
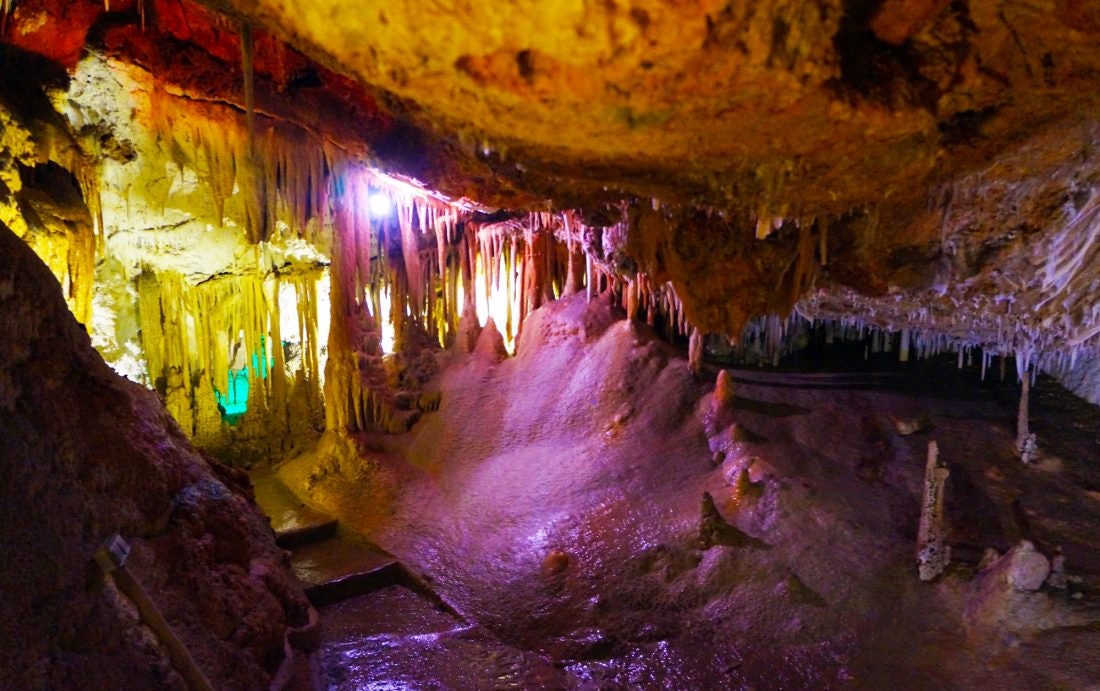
x=331 y=567
x=295 y=524
x=338 y=568
x=397 y=638
x=304 y=535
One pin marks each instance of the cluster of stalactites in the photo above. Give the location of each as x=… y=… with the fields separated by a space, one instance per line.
x=414 y=273
x=410 y=270
x=282 y=173
x=73 y=252
x=194 y=336
x=1045 y=321
x=765 y=341
x=921 y=332
x=658 y=304
x=70 y=250
x=514 y=267
x=68 y=237
x=597 y=263
x=355 y=381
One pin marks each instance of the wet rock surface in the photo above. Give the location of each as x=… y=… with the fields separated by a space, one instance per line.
x=524 y=462
x=394 y=638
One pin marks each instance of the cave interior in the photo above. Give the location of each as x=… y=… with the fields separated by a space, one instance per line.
x=597 y=345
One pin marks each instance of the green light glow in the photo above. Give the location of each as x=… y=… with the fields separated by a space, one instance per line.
x=234 y=404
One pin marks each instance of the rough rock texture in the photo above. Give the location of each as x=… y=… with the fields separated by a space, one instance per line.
x=811 y=104
x=929 y=165
x=86 y=454
x=1083 y=378
x=930 y=162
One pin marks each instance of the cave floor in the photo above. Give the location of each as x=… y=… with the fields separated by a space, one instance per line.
x=382 y=627
x=554 y=500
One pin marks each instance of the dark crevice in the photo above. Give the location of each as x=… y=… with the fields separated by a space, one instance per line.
x=525 y=63
x=306 y=79
x=26 y=78
x=874 y=70
x=58 y=183
x=966 y=126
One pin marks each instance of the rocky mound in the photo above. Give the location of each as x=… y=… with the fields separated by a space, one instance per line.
x=84 y=455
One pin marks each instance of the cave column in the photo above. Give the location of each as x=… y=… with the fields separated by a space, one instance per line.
x=1025 y=440
x=574 y=278
x=932 y=554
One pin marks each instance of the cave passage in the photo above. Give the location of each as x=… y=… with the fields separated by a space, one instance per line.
x=622 y=345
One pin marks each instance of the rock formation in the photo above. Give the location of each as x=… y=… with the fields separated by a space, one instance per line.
x=273 y=215
x=933 y=555
x=86 y=454
x=926 y=172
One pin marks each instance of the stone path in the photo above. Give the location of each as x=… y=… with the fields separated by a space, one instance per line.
x=381 y=627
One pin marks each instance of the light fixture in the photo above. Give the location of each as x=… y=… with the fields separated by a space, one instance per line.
x=379 y=204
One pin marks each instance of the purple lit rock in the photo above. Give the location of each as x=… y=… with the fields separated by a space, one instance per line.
x=1027 y=568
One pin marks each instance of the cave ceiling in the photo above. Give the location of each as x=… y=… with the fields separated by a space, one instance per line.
x=923 y=163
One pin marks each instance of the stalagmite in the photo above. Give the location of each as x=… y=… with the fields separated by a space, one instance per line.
x=725 y=391
x=933 y=554
x=1058 y=578
x=695 y=351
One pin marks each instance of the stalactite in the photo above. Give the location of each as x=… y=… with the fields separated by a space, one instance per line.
x=197 y=338
x=410 y=249
x=280 y=172
x=803 y=274
x=823 y=242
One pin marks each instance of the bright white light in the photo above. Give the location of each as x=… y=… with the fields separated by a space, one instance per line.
x=385 y=324
x=379 y=204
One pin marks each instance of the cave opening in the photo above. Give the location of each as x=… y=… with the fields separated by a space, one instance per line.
x=369 y=347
